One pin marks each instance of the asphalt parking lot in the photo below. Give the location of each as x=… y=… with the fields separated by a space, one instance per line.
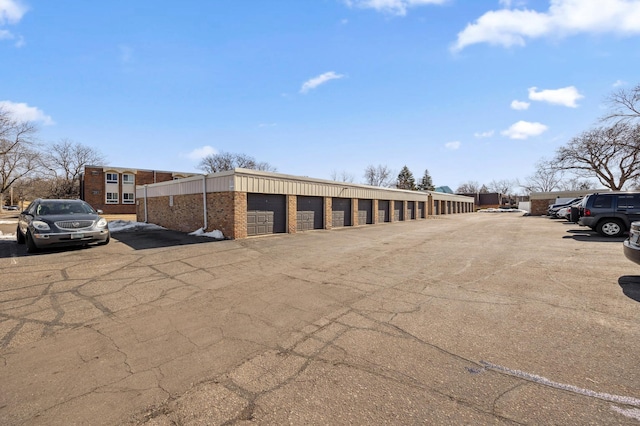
x=464 y=319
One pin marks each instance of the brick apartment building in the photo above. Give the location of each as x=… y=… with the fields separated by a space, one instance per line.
x=113 y=189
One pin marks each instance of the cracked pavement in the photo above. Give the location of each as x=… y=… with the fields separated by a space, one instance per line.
x=473 y=319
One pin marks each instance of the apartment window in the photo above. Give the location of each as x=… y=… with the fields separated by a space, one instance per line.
x=128 y=198
x=112 y=198
x=128 y=178
x=112 y=178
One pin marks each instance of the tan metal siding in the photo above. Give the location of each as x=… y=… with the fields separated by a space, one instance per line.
x=247 y=181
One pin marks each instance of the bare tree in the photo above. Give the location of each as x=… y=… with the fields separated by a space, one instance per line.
x=575 y=184
x=343 y=176
x=625 y=105
x=64 y=163
x=225 y=161
x=469 y=187
x=19 y=162
x=503 y=186
x=378 y=176
x=18 y=156
x=546 y=178
x=14 y=133
x=610 y=154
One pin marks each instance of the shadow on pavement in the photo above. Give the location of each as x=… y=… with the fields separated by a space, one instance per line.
x=9 y=248
x=137 y=240
x=592 y=236
x=157 y=238
x=630 y=286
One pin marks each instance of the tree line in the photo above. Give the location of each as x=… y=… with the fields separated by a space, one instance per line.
x=32 y=169
x=609 y=152
x=381 y=175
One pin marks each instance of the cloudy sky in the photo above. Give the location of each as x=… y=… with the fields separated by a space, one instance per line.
x=471 y=90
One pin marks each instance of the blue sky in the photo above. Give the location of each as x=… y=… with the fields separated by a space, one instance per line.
x=471 y=90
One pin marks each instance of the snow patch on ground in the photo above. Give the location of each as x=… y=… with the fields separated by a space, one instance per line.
x=213 y=234
x=491 y=210
x=7 y=237
x=127 y=225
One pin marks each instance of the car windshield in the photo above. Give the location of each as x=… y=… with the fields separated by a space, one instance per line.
x=62 y=208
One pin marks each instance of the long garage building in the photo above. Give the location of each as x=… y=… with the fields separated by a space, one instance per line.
x=243 y=203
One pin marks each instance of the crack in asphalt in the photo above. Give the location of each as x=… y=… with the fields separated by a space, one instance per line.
x=103 y=300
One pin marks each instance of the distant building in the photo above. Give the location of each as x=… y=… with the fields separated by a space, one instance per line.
x=113 y=189
x=443 y=190
x=488 y=200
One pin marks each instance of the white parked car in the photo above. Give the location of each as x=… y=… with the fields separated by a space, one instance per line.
x=564 y=213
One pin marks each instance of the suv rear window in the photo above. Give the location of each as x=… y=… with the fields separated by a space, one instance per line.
x=602 y=201
x=628 y=201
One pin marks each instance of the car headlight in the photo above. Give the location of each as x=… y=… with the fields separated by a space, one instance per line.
x=102 y=223
x=40 y=225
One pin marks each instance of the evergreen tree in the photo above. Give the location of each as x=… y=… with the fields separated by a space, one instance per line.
x=406 y=179
x=426 y=183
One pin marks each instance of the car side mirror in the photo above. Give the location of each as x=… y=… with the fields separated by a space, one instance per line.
x=99 y=211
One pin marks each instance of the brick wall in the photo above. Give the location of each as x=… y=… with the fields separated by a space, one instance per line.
x=328 y=213
x=224 y=213
x=292 y=214
x=540 y=207
x=354 y=212
x=178 y=212
x=375 y=211
x=187 y=215
x=240 y=217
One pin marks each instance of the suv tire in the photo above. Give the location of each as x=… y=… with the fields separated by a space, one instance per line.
x=610 y=227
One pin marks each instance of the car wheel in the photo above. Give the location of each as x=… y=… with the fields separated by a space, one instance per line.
x=104 y=243
x=610 y=228
x=31 y=245
x=19 y=236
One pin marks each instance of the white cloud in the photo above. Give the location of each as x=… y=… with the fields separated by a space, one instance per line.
x=200 y=153
x=513 y=27
x=11 y=11
x=520 y=105
x=319 y=80
x=524 y=130
x=395 y=7
x=452 y=145
x=619 y=83
x=566 y=96
x=24 y=112
x=484 y=134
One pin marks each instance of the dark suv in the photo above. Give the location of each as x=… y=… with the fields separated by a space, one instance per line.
x=610 y=213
